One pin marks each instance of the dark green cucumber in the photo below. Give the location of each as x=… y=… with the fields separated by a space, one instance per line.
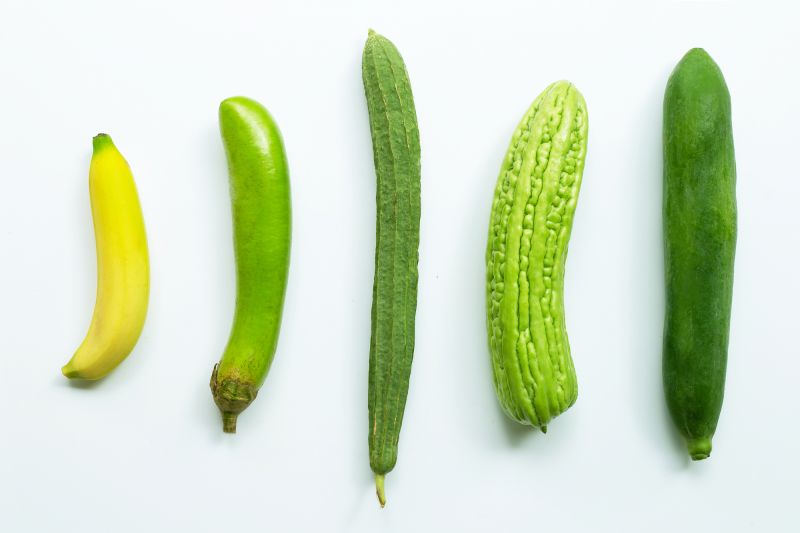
x=700 y=244
x=395 y=144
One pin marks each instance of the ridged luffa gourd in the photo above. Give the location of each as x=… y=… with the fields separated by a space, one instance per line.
x=396 y=150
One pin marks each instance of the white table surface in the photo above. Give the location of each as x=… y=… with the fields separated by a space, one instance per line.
x=143 y=450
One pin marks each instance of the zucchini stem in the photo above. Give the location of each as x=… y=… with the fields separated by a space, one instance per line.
x=229 y=422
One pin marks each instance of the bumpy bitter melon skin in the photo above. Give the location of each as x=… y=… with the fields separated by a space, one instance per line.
x=396 y=149
x=532 y=213
x=700 y=245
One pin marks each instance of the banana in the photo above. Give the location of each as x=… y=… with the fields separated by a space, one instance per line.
x=123 y=269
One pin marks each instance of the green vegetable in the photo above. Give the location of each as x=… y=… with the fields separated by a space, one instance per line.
x=395 y=144
x=700 y=243
x=261 y=205
x=531 y=220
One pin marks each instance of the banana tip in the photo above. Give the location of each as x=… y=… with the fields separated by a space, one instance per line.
x=69 y=372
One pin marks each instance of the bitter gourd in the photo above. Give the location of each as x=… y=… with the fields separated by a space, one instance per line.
x=396 y=149
x=700 y=244
x=529 y=229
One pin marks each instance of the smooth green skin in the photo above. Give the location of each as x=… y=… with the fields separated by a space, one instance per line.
x=700 y=244
x=395 y=143
x=532 y=213
x=261 y=205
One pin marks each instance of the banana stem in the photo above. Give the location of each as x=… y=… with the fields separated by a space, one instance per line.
x=380 y=490
x=100 y=141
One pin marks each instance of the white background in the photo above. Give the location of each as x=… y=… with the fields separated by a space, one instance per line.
x=143 y=450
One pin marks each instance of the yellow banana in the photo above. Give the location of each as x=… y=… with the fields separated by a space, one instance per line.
x=123 y=269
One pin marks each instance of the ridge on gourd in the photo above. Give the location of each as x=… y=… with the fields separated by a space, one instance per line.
x=531 y=219
x=396 y=150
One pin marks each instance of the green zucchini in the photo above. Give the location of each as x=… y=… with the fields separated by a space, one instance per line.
x=700 y=244
x=531 y=219
x=396 y=150
x=261 y=206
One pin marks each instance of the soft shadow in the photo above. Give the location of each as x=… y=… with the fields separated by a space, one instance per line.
x=650 y=297
x=81 y=384
x=124 y=372
x=516 y=433
x=84 y=384
x=214 y=417
x=365 y=500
